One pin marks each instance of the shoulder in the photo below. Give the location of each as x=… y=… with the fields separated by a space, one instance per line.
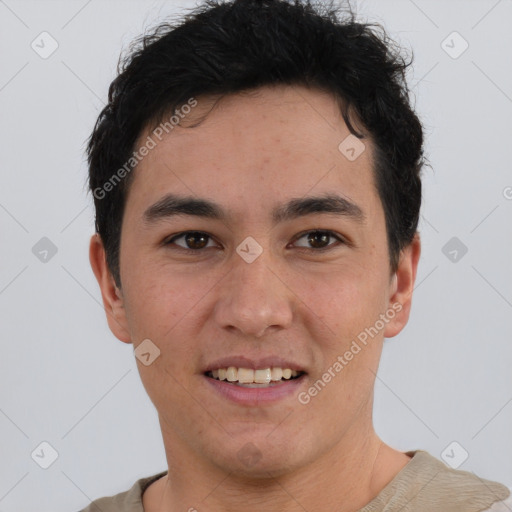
x=127 y=501
x=426 y=484
x=502 y=505
x=445 y=488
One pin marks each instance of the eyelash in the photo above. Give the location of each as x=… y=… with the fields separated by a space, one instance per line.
x=331 y=234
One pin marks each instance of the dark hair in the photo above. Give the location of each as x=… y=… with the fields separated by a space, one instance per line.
x=223 y=48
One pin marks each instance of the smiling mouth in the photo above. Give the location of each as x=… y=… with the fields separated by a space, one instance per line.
x=249 y=378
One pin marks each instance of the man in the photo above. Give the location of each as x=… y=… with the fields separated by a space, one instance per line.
x=256 y=177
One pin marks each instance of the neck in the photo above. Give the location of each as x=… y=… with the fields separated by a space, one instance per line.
x=345 y=479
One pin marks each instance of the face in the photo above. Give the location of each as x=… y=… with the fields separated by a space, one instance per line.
x=256 y=279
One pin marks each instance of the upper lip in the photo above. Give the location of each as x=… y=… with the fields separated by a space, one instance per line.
x=253 y=363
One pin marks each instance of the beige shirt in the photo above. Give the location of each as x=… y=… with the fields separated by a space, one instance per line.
x=425 y=484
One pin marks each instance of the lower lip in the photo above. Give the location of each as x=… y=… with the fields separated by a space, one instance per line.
x=256 y=396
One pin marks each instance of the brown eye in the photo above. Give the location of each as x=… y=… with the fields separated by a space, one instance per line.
x=318 y=239
x=194 y=240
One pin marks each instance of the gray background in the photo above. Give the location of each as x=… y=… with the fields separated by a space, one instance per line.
x=66 y=380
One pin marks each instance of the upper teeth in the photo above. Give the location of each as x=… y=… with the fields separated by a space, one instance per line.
x=248 y=375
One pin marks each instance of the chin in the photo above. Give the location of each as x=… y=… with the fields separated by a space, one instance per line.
x=257 y=457
x=261 y=467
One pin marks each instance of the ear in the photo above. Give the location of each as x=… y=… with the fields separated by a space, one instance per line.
x=112 y=296
x=402 y=286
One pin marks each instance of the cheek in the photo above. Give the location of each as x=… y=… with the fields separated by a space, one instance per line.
x=170 y=306
x=346 y=301
x=164 y=308
x=157 y=301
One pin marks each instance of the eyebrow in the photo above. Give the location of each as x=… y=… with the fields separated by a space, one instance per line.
x=172 y=205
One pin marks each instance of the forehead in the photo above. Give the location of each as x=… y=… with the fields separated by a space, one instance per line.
x=255 y=149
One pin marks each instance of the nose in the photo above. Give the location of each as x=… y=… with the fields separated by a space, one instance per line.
x=254 y=297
